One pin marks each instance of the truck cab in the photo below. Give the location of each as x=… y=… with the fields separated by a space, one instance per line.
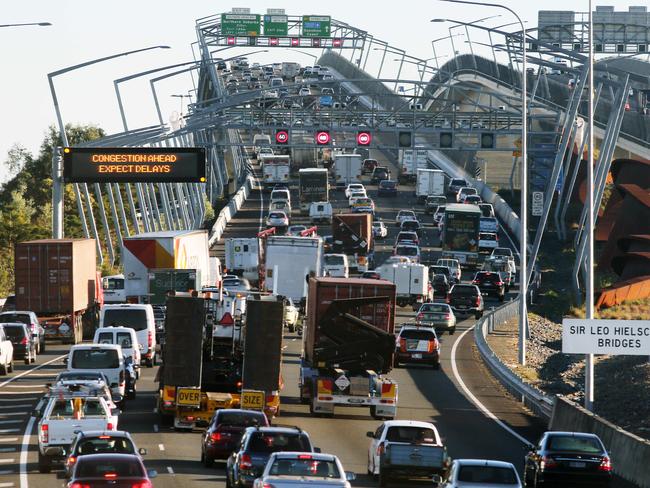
x=114 y=291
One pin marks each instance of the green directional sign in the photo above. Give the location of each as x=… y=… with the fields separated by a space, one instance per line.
x=240 y=24
x=276 y=25
x=316 y=25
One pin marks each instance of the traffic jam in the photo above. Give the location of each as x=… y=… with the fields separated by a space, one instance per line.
x=335 y=262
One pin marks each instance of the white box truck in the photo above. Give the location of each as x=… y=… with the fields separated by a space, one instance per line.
x=288 y=261
x=290 y=70
x=347 y=168
x=411 y=281
x=275 y=169
x=242 y=256
x=429 y=182
x=177 y=249
x=410 y=160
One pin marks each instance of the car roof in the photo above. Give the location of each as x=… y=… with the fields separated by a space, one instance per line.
x=318 y=456
x=484 y=462
x=89 y=458
x=280 y=430
x=571 y=434
x=409 y=423
x=111 y=433
x=80 y=347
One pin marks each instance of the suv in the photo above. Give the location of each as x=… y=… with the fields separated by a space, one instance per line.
x=464 y=192
x=31 y=320
x=387 y=188
x=490 y=284
x=466 y=300
x=6 y=353
x=225 y=431
x=368 y=166
x=454 y=268
x=417 y=344
x=456 y=184
x=432 y=202
x=380 y=173
x=22 y=340
x=257 y=445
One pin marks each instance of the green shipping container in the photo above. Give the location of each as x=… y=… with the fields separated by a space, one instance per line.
x=162 y=281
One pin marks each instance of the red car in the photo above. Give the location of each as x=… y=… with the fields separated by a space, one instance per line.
x=223 y=435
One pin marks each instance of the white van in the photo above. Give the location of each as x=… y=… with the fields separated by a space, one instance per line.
x=138 y=317
x=336 y=265
x=320 y=212
x=281 y=194
x=275 y=82
x=126 y=338
x=100 y=358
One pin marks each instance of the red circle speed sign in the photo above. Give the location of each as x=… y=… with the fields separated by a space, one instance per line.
x=322 y=137
x=282 y=137
x=364 y=138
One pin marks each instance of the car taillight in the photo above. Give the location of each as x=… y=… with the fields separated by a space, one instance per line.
x=448 y=299
x=45 y=433
x=142 y=484
x=304 y=456
x=547 y=462
x=499 y=283
x=215 y=436
x=476 y=282
x=71 y=460
x=110 y=426
x=76 y=484
x=268 y=485
x=477 y=301
x=121 y=377
x=380 y=449
x=150 y=339
x=447 y=316
x=433 y=345
x=24 y=341
x=605 y=464
x=245 y=462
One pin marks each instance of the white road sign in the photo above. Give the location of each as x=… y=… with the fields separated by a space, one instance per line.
x=537 y=204
x=617 y=337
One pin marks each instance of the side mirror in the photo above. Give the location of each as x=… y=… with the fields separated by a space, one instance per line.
x=152 y=473
x=142 y=451
x=350 y=476
x=317 y=449
x=36 y=414
x=65 y=361
x=370 y=434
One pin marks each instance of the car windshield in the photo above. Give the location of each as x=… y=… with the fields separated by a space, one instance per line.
x=268 y=442
x=243 y=419
x=492 y=277
x=23 y=318
x=487 y=474
x=406 y=213
x=502 y=251
x=421 y=335
x=14 y=332
x=95 y=359
x=334 y=260
x=406 y=251
x=109 y=468
x=410 y=224
x=305 y=467
x=276 y=215
x=105 y=444
x=458 y=182
x=387 y=184
x=436 y=308
x=363 y=201
x=411 y=435
x=133 y=318
x=588 y=445
x=464 y=290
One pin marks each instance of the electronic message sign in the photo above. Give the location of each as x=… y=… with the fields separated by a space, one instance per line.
x=134 y=165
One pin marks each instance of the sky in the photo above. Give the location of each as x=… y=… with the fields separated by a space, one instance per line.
x=84 y=30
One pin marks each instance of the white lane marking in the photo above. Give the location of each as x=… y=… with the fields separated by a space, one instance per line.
x=2 y=422
x=6 y=461
x=155 y=427
x=6 y=485
x=7 y=471
x=17 y=400
x=24 y=451
x=284 y=347
x=170 y=470
x=471 y=396
x=11 y=414
x=35 y=368
x=7 y=449
x=161 y=447
x=20 y=405
x=8 y=439
x=294 y=337
x=22 y=386
x=8 y=431
x=30 y=392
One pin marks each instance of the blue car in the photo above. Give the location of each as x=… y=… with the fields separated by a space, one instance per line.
x=326 y=101
x=387 y=188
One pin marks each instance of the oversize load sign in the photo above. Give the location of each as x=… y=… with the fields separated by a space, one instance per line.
x=133 y=165
x=617 y=337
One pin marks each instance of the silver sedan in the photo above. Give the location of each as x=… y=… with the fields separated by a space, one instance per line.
x=440 y=316
x=300 y=469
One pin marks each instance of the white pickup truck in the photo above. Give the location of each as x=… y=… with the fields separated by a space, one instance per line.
x=61 y=416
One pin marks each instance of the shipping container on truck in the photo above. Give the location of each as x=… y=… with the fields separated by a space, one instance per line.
x=163 y=281
x=275 y=170
x=313 y=186
x=178 y=249
x=347 y=169
x=429 y=182
x=349 y=344
x=288 y=260
x=290 y=70
x=410 y=160
x=303 y=157
x=352 y=235
x=58 y=280
x=411 y=282
x=261 y=371
x=460 y=233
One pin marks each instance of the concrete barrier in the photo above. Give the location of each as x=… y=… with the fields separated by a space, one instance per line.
x=630 y=454
x=229 y=211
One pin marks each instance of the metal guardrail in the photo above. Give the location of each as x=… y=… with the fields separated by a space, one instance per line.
x=539 y=403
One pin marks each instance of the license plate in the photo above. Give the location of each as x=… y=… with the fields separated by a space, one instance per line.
x=416 y=356
x=462 y=306
x=576 y=464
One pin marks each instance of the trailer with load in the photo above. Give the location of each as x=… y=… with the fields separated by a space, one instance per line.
x=313 y=186
x=275 y=170
x=352 y=236
x=409 y=161
x=349 y=344
x=347 y=169
x=411 y=283
x=429 y=182
x=58 y=280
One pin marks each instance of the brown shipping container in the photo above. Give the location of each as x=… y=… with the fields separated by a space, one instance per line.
x=360 y=223
x=55 y=276
x=323 y=290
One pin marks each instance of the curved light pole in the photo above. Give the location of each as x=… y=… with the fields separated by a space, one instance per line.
x=433 y=47
x=40 y=24
x=461 y=24
x=57 y=190
x=523 y=245
x=305 y=53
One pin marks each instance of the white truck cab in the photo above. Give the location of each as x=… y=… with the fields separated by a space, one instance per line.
x=103 y=358
x=125 y=337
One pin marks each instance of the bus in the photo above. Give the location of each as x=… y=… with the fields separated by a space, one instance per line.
x=460 y=233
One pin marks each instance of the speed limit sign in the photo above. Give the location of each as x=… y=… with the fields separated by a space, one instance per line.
x=538 y=203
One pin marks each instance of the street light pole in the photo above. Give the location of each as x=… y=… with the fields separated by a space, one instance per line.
x=57 y=224
x=523 y=245
x=40 y=24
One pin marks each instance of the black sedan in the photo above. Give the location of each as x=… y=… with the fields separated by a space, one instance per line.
x=223 y=435
x=110 y=470
x=568 y=457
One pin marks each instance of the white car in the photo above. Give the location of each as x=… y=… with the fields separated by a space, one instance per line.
x=487 y=241
x=356 y=195
x=295 y=230
x=6 y=353
x=410 y=251
x=304 y=92
x=336 y=265
x=354 y=187
x=294 y=469
x=277 y=219
x=281 y=194
x=291 y=315
x=454 y=268
x=379 y=230
x=485 y=473
x=280 y=206
x=465 y=191
x=403 y=215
